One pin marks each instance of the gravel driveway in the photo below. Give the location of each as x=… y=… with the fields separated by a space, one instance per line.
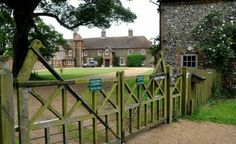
x=188 y=132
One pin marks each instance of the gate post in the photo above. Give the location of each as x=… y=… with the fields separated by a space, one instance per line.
x=120 y=101
x=184 y=91
x=169 y=97
x=7 y=133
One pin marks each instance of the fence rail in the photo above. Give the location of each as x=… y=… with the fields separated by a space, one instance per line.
x=112 y=111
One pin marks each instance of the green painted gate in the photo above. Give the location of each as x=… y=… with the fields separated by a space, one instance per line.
x=96 y=111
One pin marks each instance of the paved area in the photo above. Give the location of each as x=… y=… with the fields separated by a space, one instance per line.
x=188 y=132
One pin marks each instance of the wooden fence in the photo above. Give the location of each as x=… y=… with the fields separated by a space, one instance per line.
x=106 y=111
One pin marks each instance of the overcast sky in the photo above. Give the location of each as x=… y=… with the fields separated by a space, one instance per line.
x=147 y=23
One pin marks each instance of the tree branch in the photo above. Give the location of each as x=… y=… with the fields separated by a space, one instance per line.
x=36 y=29
x=58 y=20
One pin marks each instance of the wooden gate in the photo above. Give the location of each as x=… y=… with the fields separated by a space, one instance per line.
x=71 y=112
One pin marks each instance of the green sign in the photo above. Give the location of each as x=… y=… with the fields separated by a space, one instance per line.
x=140 y=80
x=95 y=85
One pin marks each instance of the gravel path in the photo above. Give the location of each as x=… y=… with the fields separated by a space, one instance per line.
x=188 y=132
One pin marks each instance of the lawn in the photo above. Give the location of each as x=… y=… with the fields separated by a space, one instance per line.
x=223 y=111
x=74 y=73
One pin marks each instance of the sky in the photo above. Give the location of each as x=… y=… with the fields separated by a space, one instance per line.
x=146 y=24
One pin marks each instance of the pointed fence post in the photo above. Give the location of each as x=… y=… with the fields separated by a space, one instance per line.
x=169 y=94
x=7 y=133
x=22 y=94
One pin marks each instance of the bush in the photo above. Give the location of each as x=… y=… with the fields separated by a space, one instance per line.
x=116 y=61
x=99 y=59
x=135 y=60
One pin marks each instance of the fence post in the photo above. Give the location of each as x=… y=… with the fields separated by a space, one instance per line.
x=7 y=134
x=184 y=91
x=120 y=89
x=169 y=94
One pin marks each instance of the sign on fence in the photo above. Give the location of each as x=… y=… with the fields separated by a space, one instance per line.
x=140 y=80
x=159 y=77
x=95 y=85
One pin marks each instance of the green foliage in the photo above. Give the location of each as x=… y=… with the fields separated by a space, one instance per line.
x=216 y=36
x=99 y=59
x=222 y=111
x=50 y=38
x=155 y=48
x=6 y=30
x=98 y=13
x=116 y=61
x=135 y=60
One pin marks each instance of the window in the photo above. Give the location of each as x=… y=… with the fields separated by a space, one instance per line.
x=122 y=61
x=70 y=53
x=89 y=60
x=143 y=62
x=107 y=52
x=85 y=53
x=99 y=52
x=130 y=51
x=142 y=52
x=189 y=60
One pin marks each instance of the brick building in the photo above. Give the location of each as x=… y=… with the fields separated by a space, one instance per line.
x=80 y=50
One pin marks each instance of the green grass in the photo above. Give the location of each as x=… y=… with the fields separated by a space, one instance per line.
x=223 y=111
x=74 y=73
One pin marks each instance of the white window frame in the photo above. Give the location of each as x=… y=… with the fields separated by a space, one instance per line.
x=143 y=62
x=130 y=51
x=107 y=52
x=142 y=52
x=122 y=61
x=188 y=61
x=70 y=53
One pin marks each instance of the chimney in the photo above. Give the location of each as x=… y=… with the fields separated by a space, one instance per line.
x=130 y=33
x=103 y=34
x=76 y=36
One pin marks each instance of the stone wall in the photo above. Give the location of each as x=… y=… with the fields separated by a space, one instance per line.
x=179 y=19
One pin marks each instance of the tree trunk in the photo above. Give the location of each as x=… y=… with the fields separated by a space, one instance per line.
x=23 y=20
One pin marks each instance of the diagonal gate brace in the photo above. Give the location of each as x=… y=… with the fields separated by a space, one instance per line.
x=78 y=98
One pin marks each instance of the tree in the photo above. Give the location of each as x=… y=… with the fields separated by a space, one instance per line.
x=155 y=48
x=99 y=13
x=216 y=36
x=50 y=38
x=6 y=30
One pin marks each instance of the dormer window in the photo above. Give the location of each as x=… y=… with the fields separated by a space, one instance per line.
x=107 y=52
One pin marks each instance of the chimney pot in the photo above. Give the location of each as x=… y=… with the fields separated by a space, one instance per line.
x=103 y=34
x=130 y=32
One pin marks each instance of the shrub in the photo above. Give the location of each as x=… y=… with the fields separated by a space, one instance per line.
x=216 y=35
x=135 y=60
x=116 y=61
x=99 y=59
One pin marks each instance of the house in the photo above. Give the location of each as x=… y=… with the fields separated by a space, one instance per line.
x=177 y=20
x=107 y=49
